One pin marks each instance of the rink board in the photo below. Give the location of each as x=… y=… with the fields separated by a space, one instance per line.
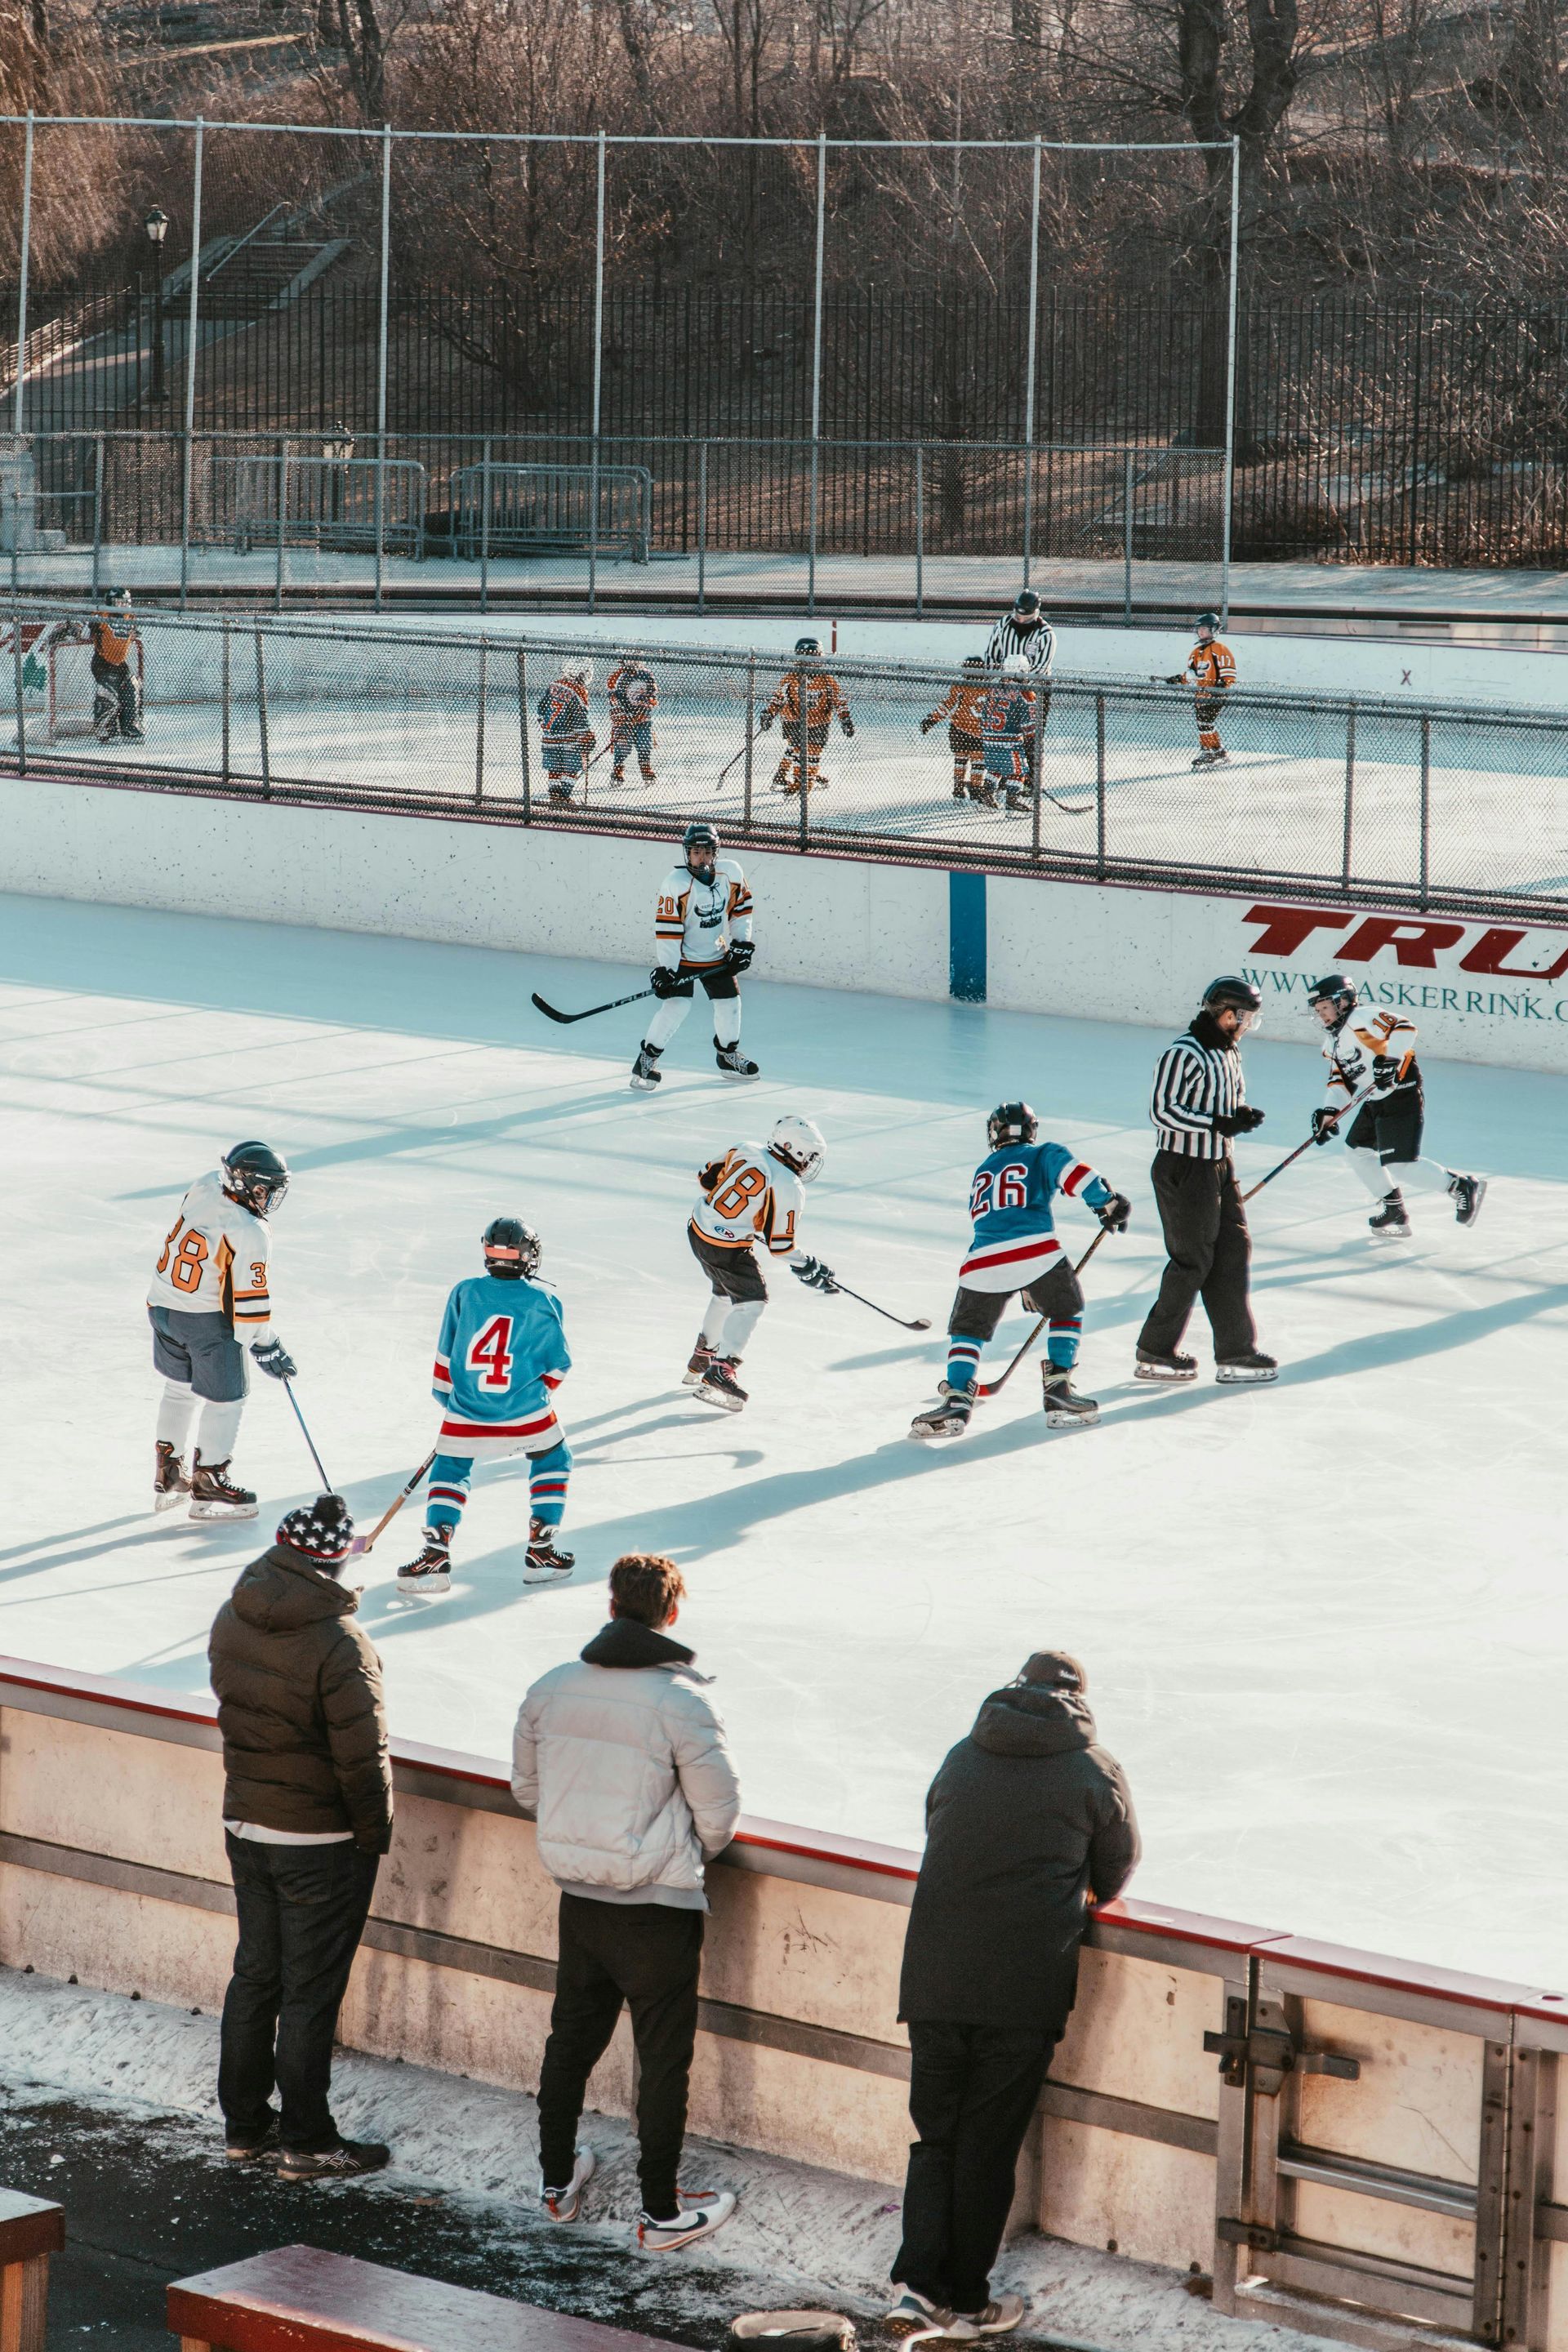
x=1480 y=990
x=1415 y=2191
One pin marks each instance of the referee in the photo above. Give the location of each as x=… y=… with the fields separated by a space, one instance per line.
x=1025 y=631
x=1198 y=1103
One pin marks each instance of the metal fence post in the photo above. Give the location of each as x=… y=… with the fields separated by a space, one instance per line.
x=1425 y=803
x=750 y=736
x=816 y=366
x=479 y=724
x=598 y=385
x=382 y=335
x=17 y=657
x=282 y=521
x=1099 y=786
x=802 y=753
x=1029 y=365
x=96 y=513
x=485 y=527
x=227 y=699
x=25 y=258
x=920 y=533
x=1350 y=795
x=192 y=318
x=261 y=718
x=1038 y=794
x=522 y=729
x=703 y=527
x=1230 y=382
x=1127 y=541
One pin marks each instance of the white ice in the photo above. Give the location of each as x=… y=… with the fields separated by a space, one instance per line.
x=1323 y=1622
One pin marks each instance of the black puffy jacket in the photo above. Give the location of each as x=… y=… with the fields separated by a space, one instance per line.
x=299 y=1705
x=1027 y=1820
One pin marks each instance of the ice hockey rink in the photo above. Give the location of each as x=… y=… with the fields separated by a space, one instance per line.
x=1323 y=1622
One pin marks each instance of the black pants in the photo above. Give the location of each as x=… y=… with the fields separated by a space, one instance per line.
x=973 y=2089
x=1209 y=1252
x=733 y=1273
x=1392 y=1128
x=647 y=1956
x=302 y=1910
x=1056 y=1294
x=120 y=679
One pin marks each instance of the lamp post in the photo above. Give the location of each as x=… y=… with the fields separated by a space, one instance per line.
x=157 y=227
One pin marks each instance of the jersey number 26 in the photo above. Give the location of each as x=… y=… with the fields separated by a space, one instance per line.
x=999 y=1188
x=490 y=1353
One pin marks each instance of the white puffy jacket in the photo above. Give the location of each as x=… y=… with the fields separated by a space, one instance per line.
x=621 y=1758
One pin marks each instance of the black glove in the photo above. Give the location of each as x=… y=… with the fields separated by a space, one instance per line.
x=662 y=980
x=926 y=726
x=1179 y=680
x=1114 y=1213
x=272 y=1357
x=815 y=1274
x=1238 y=1122
x=1385 y=1074
x=848 y=724
x=1325 y=1124
x=766 y=721
x=739 y=958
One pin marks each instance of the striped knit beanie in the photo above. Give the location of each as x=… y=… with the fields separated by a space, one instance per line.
x=323 y=1532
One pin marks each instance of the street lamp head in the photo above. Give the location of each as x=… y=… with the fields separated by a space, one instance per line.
x=157 y=227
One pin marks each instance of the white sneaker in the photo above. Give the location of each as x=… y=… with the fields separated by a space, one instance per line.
x=566 y=2204
x=1001 y=2315
x=702 y=2210
x=917 y=2320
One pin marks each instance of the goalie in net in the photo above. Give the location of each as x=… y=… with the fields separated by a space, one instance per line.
x=95 y=674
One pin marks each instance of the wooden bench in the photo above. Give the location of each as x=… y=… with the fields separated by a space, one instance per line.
x=31 y=2229
x=301 y=2300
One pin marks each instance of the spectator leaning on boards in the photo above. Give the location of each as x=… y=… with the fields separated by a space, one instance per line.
x=621 y=1758
x=1026 y=1820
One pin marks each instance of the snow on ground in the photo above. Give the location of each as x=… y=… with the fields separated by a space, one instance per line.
x=1322 y=1620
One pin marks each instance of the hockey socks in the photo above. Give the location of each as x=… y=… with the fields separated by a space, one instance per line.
x=1061 y=1341
x=963 y=1363
x=547 y=1478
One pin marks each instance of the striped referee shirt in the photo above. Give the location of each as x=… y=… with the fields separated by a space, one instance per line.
x=1194 y=1084
x=1036 y=641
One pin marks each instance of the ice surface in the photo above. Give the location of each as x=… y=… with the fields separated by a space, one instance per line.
x=1323 y=1622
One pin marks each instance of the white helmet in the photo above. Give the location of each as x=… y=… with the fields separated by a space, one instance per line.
x=582 y=671
x=799 y=1142
x=1014 y=667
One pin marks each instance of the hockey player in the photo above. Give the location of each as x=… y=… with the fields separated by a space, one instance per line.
x=117 y=703
x=808 y=700
x=568 y=739
x=211 y=1295
x=633 y=693
x=499 y=1359
x=1008 y=718
x=1014 y=1247
x=961 y=706
x=703 y=931
x=1212 y=668
x=748 y=1195
x=1373 y=1054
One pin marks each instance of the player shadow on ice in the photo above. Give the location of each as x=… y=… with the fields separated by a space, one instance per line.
x=213 y=1554
x=102 y=1528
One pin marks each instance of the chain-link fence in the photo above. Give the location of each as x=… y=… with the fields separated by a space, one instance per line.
x=1418 y=805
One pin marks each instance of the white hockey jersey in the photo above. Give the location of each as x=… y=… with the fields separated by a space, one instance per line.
x=746 y=1197
x=698 y=922
x=215 y=1261
x=1367 y=1040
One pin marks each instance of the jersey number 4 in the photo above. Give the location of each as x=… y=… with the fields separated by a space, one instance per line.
x=999 y=1188
x=492 y=1353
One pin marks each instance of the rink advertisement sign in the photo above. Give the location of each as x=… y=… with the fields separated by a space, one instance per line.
x=1436 y=969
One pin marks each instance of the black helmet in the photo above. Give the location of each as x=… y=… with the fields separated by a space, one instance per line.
x=973 y=661
x=255 y=1176
x=1209 y=620
x=1012 y=1122
x=1027 y=603
x=510 y=1248
x=1335 y=988
x=808 y=645
x=700 y=836
x=1231 y=993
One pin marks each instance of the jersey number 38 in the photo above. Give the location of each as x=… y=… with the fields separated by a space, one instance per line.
x=490 y=1353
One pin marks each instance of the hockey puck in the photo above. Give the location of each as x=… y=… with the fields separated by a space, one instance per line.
x=801 y=2331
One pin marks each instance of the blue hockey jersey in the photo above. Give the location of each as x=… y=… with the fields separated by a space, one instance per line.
x=1006 y=720
x=1015 y=1238
x=501 y=1355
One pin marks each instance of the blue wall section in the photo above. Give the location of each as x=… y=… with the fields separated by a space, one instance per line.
x=967 y=937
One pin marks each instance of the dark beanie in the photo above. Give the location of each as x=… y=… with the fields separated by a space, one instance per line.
x=323 y=1532
x=1055 y=1669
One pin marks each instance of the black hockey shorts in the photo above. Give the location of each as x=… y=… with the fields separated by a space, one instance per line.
x=734 y=1273
x=717 y=984
x=1391 y=1128
x=202 y=1352
x=964 y=746
x=1207 y=708
x=976 y=1313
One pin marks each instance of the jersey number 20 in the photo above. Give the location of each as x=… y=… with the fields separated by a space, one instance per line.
x=492 y=1353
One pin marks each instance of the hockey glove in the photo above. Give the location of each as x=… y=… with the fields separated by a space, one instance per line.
x=926 y=726
x=815 y=1274
x=1325 y=1124
x=739 y=958
x=1385 y=1074
x=1114 y=1213
x=662 y=980
x=1238 y=1122
x=1179 y=680
x=765 y=721
x=273 y=1358
x=848 y=724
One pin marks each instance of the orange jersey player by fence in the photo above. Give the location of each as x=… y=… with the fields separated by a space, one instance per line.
x=117 y=696
x=1211 y=666
x=808 y=700
x=962 y=706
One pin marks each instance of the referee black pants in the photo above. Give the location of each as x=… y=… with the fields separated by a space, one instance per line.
x=1208 y=1250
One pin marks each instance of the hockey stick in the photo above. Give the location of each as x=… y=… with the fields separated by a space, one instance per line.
x=327 y=1486
x=363 y=1543
x=818 y=1276
x=551 y=1014
x=991 y=1388
x=1354 y=1103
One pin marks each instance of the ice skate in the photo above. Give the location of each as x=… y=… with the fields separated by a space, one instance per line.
x=171 y=1479
x=214 y=1496
x=545 y=1564
x=1252 y=1366
x=1151 y=1365
x=719 y=1385
x=1205 y=758
x=1467 y=1193
x=646 y=1071
x=702 y=1357
x=561 y=795
x=617 y=775
x=1064 y=1409
x=566 y=2204
x=949 y=1416
x=733 y=1063
x=432 y=1571
x=1392 y=1222
x=648 y=777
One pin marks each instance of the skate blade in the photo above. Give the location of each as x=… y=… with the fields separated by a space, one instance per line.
x=744 y=1076
x=644 y=1086
x=1071 y=1419
x=546 y=1575
x=170 y=1502
x=691 y=1379
x=722 y=1403
x=1158 y=1372
x=215 y=1511
x=1233 y=1378
x=1394 y=1233
x=422 y=1588
x=938 y=1436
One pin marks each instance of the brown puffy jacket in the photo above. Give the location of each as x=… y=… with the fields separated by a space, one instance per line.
x=299 y=1705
